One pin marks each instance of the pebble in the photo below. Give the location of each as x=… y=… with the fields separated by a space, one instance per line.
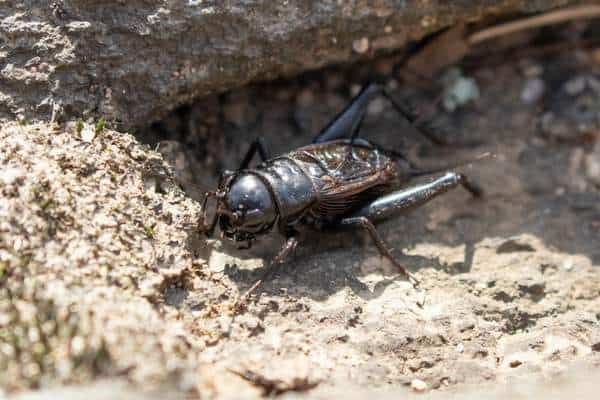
x=361 y=45
x=459 y=90
x=533 y=91
x=568 y=264
x=376 y=107
x=533 y=70
x=515 y=364
x=88 y=133
x=418 y=385
x=575 y=86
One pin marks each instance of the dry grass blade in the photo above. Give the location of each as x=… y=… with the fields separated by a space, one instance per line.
x=550 y=18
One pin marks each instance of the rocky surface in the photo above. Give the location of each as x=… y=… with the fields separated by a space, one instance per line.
x=132 y=61
x=104 y=278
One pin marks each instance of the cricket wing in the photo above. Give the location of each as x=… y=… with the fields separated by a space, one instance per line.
x=342 y=195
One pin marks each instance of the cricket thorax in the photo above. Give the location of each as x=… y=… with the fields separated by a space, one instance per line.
x=290 y=185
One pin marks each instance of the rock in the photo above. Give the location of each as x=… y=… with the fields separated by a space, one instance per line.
x=533 y=90
x=575 y=86
x=88 y=134
x=459 y=90
x=361 y=45
x=418 y=385
x=134 y=61
x=95 y=266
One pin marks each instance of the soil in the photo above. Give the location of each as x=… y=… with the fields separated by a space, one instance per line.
x=105 y=274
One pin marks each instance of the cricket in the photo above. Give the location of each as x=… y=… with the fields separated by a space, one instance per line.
x=340 y=181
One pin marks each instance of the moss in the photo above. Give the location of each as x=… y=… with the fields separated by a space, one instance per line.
x=79 y=127
x=149 y=231
x=100 y=125
x=46 y=204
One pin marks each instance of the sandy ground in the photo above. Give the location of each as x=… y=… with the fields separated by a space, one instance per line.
x=105 y=278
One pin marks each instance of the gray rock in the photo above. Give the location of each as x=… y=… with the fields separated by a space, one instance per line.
x=131 y=62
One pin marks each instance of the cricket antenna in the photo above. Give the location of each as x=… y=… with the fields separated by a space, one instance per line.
x=428 y=171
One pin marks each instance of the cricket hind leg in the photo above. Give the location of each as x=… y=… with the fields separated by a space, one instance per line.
x=366 y=224
x=399 y=202
x=348 y=122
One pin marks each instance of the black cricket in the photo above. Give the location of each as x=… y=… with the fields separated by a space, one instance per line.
x=339 y=181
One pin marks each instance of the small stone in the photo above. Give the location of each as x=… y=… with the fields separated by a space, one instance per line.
x=418 y=385
x=533 y=91
x=515 y=363
x=459 y=91
x=533 y=71
x=568 y=264
x=88 y=133
x=77 y=345
x=460 y=348
x=376 y=107
x=575 y=86
x=361 y=45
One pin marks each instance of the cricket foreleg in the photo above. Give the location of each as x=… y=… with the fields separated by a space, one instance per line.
x=208 y=227
x=288 y=247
